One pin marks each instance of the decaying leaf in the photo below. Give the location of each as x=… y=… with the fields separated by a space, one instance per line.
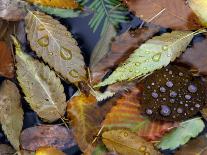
x=196 y=57
x=11 y=113
x=156 y=53
x=51 y=41
x=121 y=48
x=69 y=4
x=167 y=13
x=6 y=149
x=47 y=135
x=196 y=146
x=199 y=8
x=6 y=61
x=181 y=135
x=126 y=142
x=42 y=88
x=48 y=151
x=12 y=10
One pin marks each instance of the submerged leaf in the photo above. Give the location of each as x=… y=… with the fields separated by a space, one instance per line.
x=47 y=135
x=42 y=88
x=181 y=135
x=173 y=14
x=48 y=151
x=11 y=113
x=127 y=143
x=69 y=4
x=156 y=53
x=51 y=41
x=199 y=8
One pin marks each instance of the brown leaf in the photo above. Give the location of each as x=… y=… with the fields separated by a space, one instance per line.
x=196 y=57
x=46 y=135
x=121 y=48
x=6 y=149
x=6 y=61
x=12 y=10
x=196 y=146
x=49 y=151
x=174 y=14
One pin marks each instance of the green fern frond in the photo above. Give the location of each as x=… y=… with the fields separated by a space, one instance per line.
x=107 y=12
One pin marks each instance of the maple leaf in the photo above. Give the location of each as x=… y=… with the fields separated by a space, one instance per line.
x=177 y=13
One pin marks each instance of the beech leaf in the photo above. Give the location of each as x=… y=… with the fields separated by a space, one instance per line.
x=181 y=135
x=47 y=135
x=42 y=88
x=199 y=8
x=69 y=4
x=177 y=14
x=126 y=142
x=51 y=41
x=49 y=151
x=156 y=53
x=11 y=113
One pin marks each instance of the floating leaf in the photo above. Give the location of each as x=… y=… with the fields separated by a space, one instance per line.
x=42 y=88
x=181 y=135
x=199 y=8
x=6 y=61
x=47 y=135
x=48 y=151
x=6 y=149
x=12 y=10
x=156 y=53
x=63 y=13
x=11 y=113
x=51 y=41
x=126 y=142
x=177 y=14
x=120 y=49
x=69 y=4
x=196 y=146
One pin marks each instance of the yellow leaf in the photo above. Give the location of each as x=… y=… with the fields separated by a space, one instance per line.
x=200 y=9
x=49 y=151
x=69 y=4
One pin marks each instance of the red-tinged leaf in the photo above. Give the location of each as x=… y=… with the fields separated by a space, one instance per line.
x=196 y=57
x=174 y=14
x=121 y=48
x=126 y=114
x=6 y=61
x=47 y=135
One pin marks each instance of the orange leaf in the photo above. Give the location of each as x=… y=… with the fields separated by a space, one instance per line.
x=49 y=151
x=173 y=14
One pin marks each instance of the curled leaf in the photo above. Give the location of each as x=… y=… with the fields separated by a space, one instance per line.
x=42 y=88
x=11 y=113
x=51 y=41
x=156 y=53
x=48 y=151
x=47 y=135
x=126 y=142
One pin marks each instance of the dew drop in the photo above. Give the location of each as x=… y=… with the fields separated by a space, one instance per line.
x=147 y=52
x=153 y=84
x=162 y=89
x=192 y=88
x=187 y=97
x=154 y=95
x=180 y=74
x=197 y=105
x=165 y=48
x=173 y=94
x=50 y=53
x=172 y=100
x=179 y=110
x=169 y=55
x=192 y=109
x=156 y=57
x=169 y=84
x=164 y=99
x=181 y=102
x=149 y=111
x=137 y=64
x=170 y=72
x=148 y=87
x=186 y=105
x=165 y=110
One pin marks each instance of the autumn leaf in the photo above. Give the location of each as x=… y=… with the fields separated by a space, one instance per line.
x=48 y=151
x=196 y=146
x=126 y=142
x=12 y=10
x=6 y=149
x=196 y=57
x=42 y=88
x=181 y=135
x=11 y=113
x=51 y=41
x=6 y=61
x=199 y=8
x=47 y=135
x=69 y=4
x=120 y=49
x=177 y=13
x=156 y=53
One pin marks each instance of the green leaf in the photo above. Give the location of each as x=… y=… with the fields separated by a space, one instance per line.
x=42 y=88
x=63 y=13
x=100 y=150
x=181 y=135
x=156 y=53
